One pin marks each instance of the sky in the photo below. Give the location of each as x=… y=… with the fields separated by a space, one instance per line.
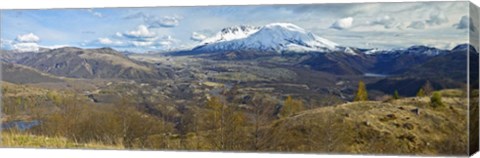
x=365 y=25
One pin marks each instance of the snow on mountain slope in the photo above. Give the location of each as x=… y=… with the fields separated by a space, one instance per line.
x=232 y=33
x=413 y=50
x=276 y=37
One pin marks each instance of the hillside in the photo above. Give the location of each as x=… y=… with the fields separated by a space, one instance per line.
x=92 y=63
x=19 y=74
x=371 y=127
x=378 y=127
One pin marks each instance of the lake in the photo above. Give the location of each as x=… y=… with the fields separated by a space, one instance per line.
x=375 y=75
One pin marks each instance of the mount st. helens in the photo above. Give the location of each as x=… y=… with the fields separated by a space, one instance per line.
x=276 y=37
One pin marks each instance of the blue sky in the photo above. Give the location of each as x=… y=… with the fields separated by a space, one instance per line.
x=367 y=25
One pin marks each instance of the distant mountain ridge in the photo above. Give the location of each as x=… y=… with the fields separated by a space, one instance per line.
x=417 y=49
x=91 y=63
x=284 y=38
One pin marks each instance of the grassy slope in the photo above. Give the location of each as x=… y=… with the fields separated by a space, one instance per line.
x=379 y=127
x=32 y=141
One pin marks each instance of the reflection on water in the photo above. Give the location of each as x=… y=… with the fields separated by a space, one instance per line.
x=20 y=125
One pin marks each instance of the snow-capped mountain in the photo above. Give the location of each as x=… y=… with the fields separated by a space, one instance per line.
x=275 y=37
x=232 y=33
x=413 y=50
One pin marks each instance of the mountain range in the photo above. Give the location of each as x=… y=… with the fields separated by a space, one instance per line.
x=87 y=63
x=272 y=45
x=289 y=38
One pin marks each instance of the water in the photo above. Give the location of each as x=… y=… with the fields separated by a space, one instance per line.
x=20 y=125
x=374 y=75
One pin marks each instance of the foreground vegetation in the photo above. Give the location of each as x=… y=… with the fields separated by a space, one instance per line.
x=19 y=140
x=430 y=124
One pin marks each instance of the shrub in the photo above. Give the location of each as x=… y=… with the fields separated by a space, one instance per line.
x=436 y=100
x=291 y=106
x=427 y=88
x=421 y=93
x=396 y=95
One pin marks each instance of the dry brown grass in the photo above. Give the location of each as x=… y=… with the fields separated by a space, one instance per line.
x=24 y=140
x=373 y=127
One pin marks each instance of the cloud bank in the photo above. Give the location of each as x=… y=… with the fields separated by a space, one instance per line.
x=26 y=43
x=343 y=23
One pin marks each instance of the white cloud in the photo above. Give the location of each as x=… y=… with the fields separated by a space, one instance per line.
x=142 y=43
x=55 y=46
x=168 y=42
x=141 y=33
x=417 y=25
x=94 y=13
x=385 y=21
x=164 y=43
x=198 y=37
x=437 y=19
x=141 y=37
x=5 y=44
x=118 y=34
x=343 y=23
x=166 y=21
x=155 y=21
x=108 y=41
x=105 y=41
x=27 y=38
x=26 y=43
x=136 y=16
x=26 y=47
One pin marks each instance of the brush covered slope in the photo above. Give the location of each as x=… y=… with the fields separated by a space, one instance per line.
x=92 y=63
x=403 y=126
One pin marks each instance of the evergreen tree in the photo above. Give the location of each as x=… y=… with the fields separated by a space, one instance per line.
x=362 y=94
x=421 y=93
x=396 y=95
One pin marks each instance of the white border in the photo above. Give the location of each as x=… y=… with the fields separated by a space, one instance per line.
x=46 y=4
x=61 y=153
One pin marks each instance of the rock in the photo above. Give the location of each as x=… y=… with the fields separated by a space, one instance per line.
x=408 y=126
x=416 y=111
x=388 y=117
x=391 y=116
x=408 y=137
x=396 y=124
x=366 y=123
